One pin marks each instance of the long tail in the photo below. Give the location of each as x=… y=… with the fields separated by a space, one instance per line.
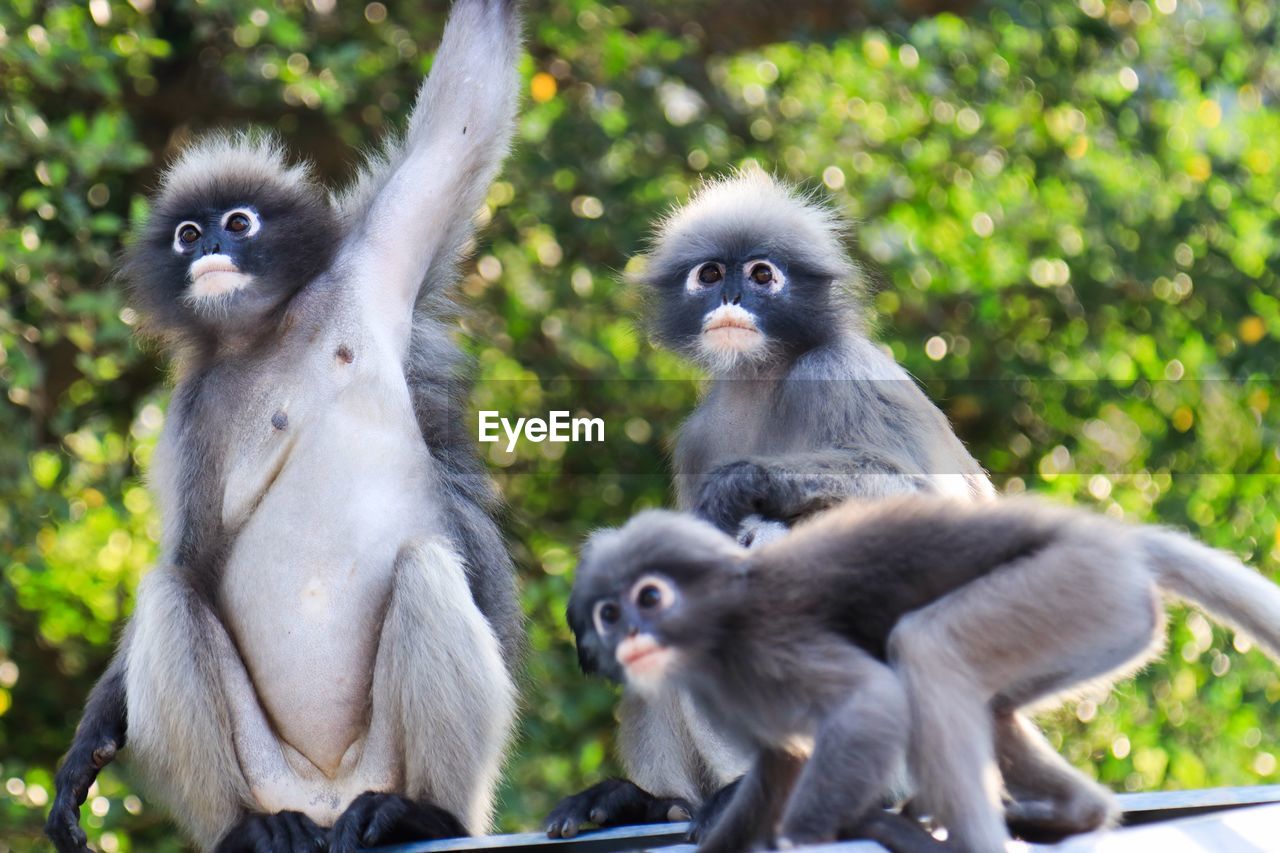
x=1218 y=582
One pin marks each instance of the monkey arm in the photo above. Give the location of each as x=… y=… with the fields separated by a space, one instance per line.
x=790 y=487
x=757 y=803
x=412 y=209
x=99 y=736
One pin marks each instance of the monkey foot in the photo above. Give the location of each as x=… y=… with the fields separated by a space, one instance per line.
x=285 y=832
x=375 y=818
x=1049 y=821
x=610 y=803
x=897 y=833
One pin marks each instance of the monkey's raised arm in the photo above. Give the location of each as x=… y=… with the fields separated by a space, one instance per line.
x=790 y=487
x=410 y=213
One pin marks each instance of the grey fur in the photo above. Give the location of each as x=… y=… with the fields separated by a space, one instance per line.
x=915 y=625
x=301 y=403
x=823 y=418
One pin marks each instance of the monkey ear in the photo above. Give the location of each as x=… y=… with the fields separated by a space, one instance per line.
x=584 y=635
x=578 y=616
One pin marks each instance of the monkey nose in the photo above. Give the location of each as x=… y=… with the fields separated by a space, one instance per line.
x=210 y=247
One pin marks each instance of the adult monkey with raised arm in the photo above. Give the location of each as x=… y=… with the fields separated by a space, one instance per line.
x=325 y=654
x=750 y=279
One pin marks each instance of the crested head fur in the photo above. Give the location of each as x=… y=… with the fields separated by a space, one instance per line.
x=751 y=206
x=750 y=214
x=218 y=173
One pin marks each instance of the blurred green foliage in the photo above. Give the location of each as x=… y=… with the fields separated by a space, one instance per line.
x=1069 y=211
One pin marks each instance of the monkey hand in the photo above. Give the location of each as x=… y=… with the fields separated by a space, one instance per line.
x=732 y=492
x=611 y=803
x=72 y=784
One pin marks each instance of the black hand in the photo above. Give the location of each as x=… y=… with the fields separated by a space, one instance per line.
x=375 y=818
x=732 y=492
x=611 y=803
x=285 y=832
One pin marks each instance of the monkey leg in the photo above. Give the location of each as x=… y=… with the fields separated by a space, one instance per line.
x=180 y=723
x=706 y=818
x=1033 y=628
x=99 y=736
x=1050 y=798
x=442 y=693
x=757 y=803
x=855 y=753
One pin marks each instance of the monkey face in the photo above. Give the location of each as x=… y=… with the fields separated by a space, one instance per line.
x=742 y=306
x=629 y=629
x=221 y=253
x=650 y=597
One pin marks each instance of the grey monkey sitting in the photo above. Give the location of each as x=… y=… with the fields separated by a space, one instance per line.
x=915 y=626
x=751 y=280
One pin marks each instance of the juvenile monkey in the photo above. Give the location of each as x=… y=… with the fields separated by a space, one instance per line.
x=915 y=625
x=803 y=410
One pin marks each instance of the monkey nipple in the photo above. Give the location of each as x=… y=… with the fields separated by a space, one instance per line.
x=280 y=420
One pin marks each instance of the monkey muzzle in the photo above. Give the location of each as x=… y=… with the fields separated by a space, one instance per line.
x=216 y=275
x=731 y=328
x=644 y=659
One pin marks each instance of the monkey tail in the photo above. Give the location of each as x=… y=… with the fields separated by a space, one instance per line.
x=1218 y=582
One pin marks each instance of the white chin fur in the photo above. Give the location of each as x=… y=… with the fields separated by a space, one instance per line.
x=648 y=673
x=214 y=277
x=730 y=334
x=215 y=285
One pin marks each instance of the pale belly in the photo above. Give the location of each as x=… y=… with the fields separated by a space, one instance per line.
x=304 y=593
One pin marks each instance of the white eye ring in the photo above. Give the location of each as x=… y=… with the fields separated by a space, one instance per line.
x=666 y=592
x=179 y=246
x=778 y=278
x=255 y=224
x=693 y=284
x=597 y=616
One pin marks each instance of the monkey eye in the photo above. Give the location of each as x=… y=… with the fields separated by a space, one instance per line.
x=606 y=615
x=185 y=234
x=765 y=274
x=653 y=593
x=710 y=273
x=241 y=222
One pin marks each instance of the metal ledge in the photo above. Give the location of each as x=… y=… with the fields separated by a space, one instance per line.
x=1240 y=820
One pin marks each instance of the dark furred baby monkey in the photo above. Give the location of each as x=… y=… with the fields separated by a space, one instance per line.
x=912 y=626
